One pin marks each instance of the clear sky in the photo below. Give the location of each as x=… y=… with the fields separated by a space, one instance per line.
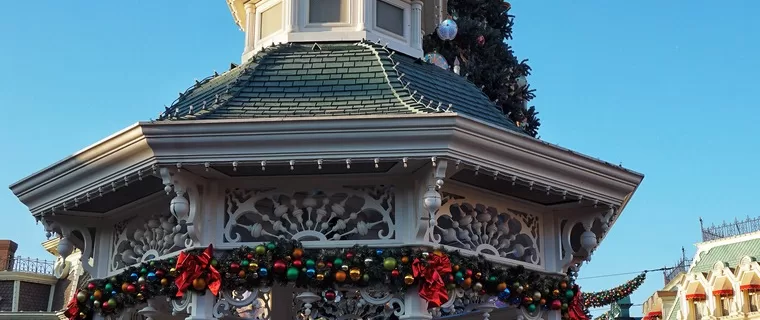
x=668 y=88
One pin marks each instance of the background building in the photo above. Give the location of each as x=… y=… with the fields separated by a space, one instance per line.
x=37 y=289
x=721 y=281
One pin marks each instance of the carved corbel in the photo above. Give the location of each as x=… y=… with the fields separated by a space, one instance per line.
x=186 y=204
x=588 y=239
x=432 y=201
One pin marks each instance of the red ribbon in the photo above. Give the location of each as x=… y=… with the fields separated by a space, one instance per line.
x=432 y=289
x=575 y=309
x=197 y=266
x=72 y=309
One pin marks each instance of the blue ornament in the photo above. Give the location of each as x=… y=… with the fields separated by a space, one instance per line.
x=310 y=273
x=113 y=293
x=515 y=301
x=133 y=276
x=447 y=30
x=263 y=272
x=504 y=295
x=151 y=276
x=379 y=252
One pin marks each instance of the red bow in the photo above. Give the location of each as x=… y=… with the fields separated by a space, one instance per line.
x=72 y=310
x=432 y=289
x=575 y=309
x=197 y=266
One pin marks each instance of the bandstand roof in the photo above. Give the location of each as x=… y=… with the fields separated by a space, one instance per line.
x=333 y=79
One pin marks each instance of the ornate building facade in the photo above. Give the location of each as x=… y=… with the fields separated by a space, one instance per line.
x=721 y=281
x=331 y=140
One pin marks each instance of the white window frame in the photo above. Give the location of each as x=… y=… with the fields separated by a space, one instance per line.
x=263 y=6
x=304 y=17
x=407 y=7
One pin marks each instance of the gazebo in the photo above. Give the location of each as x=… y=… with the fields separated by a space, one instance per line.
x=328 y=176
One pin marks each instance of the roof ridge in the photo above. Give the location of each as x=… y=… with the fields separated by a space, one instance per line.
x=373 y=47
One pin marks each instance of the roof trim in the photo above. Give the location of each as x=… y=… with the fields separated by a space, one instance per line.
x=421 y=135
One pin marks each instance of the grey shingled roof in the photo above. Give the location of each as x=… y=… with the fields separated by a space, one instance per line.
x=333 y=79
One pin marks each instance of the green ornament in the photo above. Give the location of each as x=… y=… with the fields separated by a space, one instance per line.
x=114 y=280
x=109 y=287
x=389 y=263
x=365 y=278
x=338 y=261
x=244 y=263
x=564 y=307
x=271 y=246
x=112 y=303
x=152 y=263
x=492 y=278
x=451 y=286
x=310 y=263
x=261 y=250
x=569 y=294
x=214 y=262
x=144 y=270
x=531 y=308
x=459 y=275
x=292 y=274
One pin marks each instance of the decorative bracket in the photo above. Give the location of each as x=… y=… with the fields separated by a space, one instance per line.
x=183 y=209
x=432 y=201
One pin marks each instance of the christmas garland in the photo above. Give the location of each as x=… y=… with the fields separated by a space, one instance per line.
x=606 y=297
x=434 y=272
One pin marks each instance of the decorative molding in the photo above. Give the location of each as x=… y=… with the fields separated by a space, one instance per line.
x=28 y=277
x=348 y=212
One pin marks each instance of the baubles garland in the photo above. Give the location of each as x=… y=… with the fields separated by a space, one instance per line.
x=434 y=272
x=607 y=297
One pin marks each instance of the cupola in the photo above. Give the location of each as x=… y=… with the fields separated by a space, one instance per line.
x=396 y=23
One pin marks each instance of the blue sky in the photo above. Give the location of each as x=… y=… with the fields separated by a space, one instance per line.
x=666 y=87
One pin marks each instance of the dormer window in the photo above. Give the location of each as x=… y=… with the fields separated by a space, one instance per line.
x=329 y=11
x=391 y=16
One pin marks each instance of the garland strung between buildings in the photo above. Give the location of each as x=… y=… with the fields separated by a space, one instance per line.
x=606 y=297
x=435 y=273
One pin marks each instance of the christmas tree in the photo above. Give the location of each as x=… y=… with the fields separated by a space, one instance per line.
x=482 y=53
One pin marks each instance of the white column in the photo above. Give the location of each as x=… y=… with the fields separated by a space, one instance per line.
x=361 y=13
x=16 y=291
x=416 y=31
x=250 y=27
x=293 y=15
x=202 y=306
x=415 y=308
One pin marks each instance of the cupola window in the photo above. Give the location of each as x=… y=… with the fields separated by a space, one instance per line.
x=390 y=16
x=328 y=11
x=271 y=20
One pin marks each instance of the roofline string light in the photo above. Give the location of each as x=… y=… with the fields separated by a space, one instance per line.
x=139 y=174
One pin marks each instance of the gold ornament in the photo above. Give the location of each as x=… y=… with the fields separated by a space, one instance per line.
x=355 y=274
x=297 y=253
x=164 y=282
x=253 y=266
x=320 y=265
x=140 y=296
x=408 y=279
x=478 y=275
x=199 y=284
x=320 y=277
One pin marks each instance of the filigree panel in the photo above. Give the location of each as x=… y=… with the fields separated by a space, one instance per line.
x=345 y=213
x=139 y=239
x=373 y=303
x=488 y=227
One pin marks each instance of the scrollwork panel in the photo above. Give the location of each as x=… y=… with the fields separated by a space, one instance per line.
x=489 y=227
x=345 y=213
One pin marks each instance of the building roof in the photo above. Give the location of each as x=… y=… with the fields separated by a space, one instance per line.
x=333 y=79
x=730 y=253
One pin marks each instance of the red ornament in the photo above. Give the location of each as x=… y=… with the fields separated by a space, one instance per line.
x=298 y=263
x=234 y=267
x=143 y=287
x=468 y=273
x=556 y=305
x=249 y=256
x=349 y=255
x=105 y=305
x=280 y=266
x=131 y=288
x=330 y=295
x=91 y=286
x=451 y=278
x=395 y=273
x=160 y=273
x=482 y=292
x=329 y=265
x=481 y=40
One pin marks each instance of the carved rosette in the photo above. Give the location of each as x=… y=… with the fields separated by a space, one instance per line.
x=488 y=228
x=254 y=304
x=347 y=213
